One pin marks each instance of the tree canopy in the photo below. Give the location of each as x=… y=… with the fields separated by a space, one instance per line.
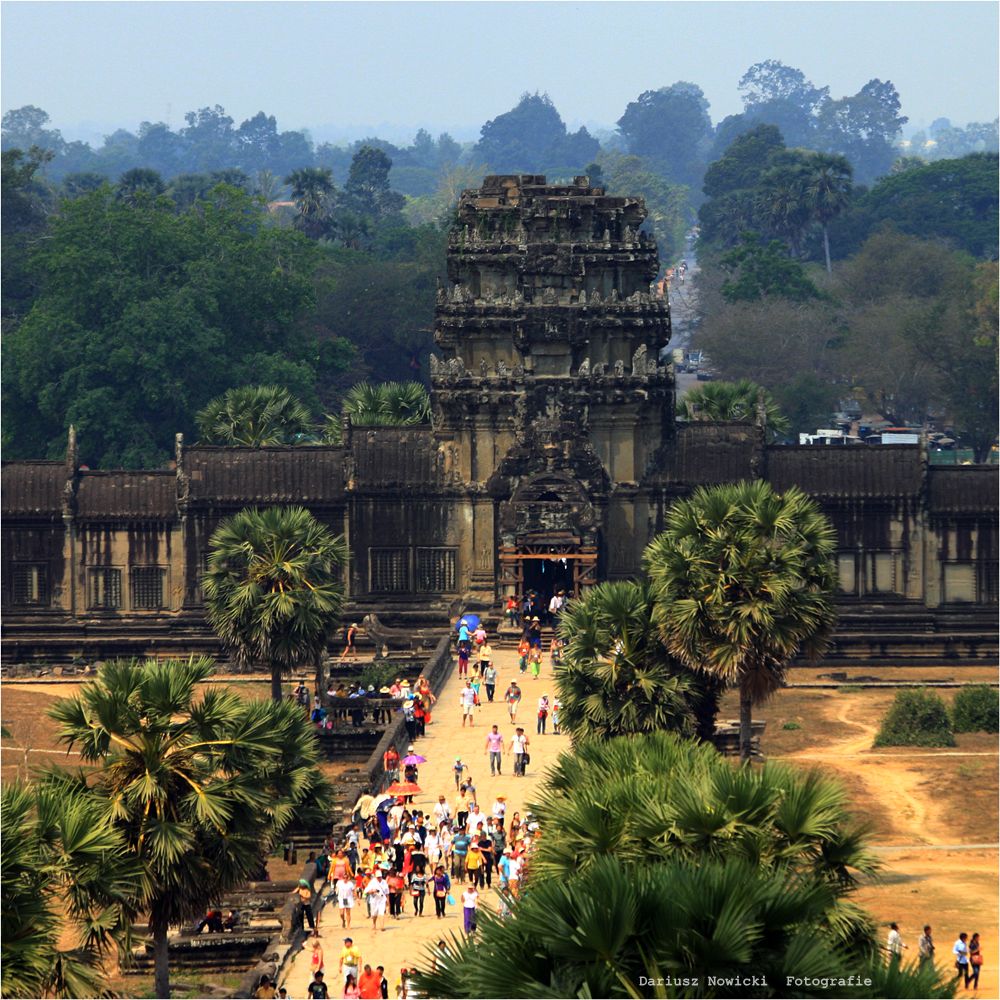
x=146 y=313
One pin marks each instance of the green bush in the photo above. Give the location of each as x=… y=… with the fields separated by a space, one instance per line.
x=791 y=725
x=976 y=709
x=378 y=675
x=917 y=718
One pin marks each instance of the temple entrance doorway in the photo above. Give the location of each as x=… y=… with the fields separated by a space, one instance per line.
x=547 y=563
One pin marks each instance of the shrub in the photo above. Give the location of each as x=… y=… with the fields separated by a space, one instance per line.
x=791 y=725
x=976 y=709
x=917 y=718
x=378 y=675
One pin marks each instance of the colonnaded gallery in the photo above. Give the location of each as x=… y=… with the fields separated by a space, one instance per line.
x=550 y=461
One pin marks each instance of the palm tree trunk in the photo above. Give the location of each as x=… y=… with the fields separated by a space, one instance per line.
x=746 y=712
x=276 y=692
x=161 y=958
x=319 y=672
x=826 y=248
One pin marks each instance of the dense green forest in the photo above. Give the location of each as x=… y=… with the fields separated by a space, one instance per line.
x=143 y=278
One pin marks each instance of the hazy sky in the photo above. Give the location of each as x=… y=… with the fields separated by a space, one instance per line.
x=354 y=66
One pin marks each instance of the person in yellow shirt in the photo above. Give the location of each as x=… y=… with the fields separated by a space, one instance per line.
x=474 y=863
x=350 y=959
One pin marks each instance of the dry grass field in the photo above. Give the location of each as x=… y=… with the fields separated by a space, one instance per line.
x=932 y=812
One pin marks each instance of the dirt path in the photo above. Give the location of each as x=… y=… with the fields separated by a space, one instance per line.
x=403 y=942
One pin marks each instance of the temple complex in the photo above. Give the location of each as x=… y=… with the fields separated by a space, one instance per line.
x=551 y=459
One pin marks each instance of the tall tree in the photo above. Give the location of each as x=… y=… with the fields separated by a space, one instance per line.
x=828 y=188
x=254 y=416
x=313 y=192
x=780 y=95
x=744 y=580
x=64 y=867
x=532 y=138
x=367 y=185
x=273 y=591
x=864 y=128
x=670 y=127
x=137 y=183
x=200 y=782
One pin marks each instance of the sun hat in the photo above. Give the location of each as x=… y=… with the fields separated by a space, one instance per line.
x=302 y=881
x=384 y=690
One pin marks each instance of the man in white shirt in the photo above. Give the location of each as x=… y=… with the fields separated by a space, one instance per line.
x=475 y=818
x=555 y=604
x=894 y=945
x=467 y=699
x=519 y=748
x=377 y=892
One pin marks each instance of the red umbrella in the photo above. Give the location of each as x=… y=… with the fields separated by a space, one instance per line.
x=403 y=788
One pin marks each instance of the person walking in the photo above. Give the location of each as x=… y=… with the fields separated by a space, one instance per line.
x=351 y=991
x=418 y=890
x=494 y=750
x=894 y=944
x=350 y=959
x=459 y=850
x=350 y=649
x=925 y=946
x=536 y=661
x=474 y=864
x=467 y=701
x=377 y=893
x=470 y=900
x=555 y=716
x=442 y=885
x=543 y=713
x=960 y=949
x=513 y=699
x=490 y=680
x=519 y=748
x=975 y=961
x=344 y=891
x=523 y=651
x=369 y=984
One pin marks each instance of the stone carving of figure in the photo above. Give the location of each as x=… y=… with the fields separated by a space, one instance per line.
x=583 y=296
x=584 y=371
x=502 y=371
x=607 y=235
x=599 y=369
x=518 y=372
x=595 y=298
x=456 y=366
x=484 y=367
x=441 y=296
x=628 y=236
x=435 y=366
x=651 y=366
x=619 y=368
x=639 y=360
x=550 y=297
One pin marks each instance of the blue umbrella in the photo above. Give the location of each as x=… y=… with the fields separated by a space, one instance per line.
x=471 y=620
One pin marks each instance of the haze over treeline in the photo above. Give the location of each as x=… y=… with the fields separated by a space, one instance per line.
x=146 y=276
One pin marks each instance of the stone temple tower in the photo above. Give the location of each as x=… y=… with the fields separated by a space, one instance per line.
x=549 y=401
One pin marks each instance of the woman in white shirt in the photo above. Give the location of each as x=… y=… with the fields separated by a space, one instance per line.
x=432 y=848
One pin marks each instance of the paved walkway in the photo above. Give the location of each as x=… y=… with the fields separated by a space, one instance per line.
x=403 y=942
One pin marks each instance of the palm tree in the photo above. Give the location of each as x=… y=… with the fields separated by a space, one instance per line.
x=62 y=865
x=617 y=677
x=254 y=416
x=659 y=796
x=744 y=578
x=272 y=588
x=733 y=401
x=138 y=183
x=387 y=404
x=313 y=192
x=631 y=932
x=828 y=188
x=200 y=788
x=785 y=205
